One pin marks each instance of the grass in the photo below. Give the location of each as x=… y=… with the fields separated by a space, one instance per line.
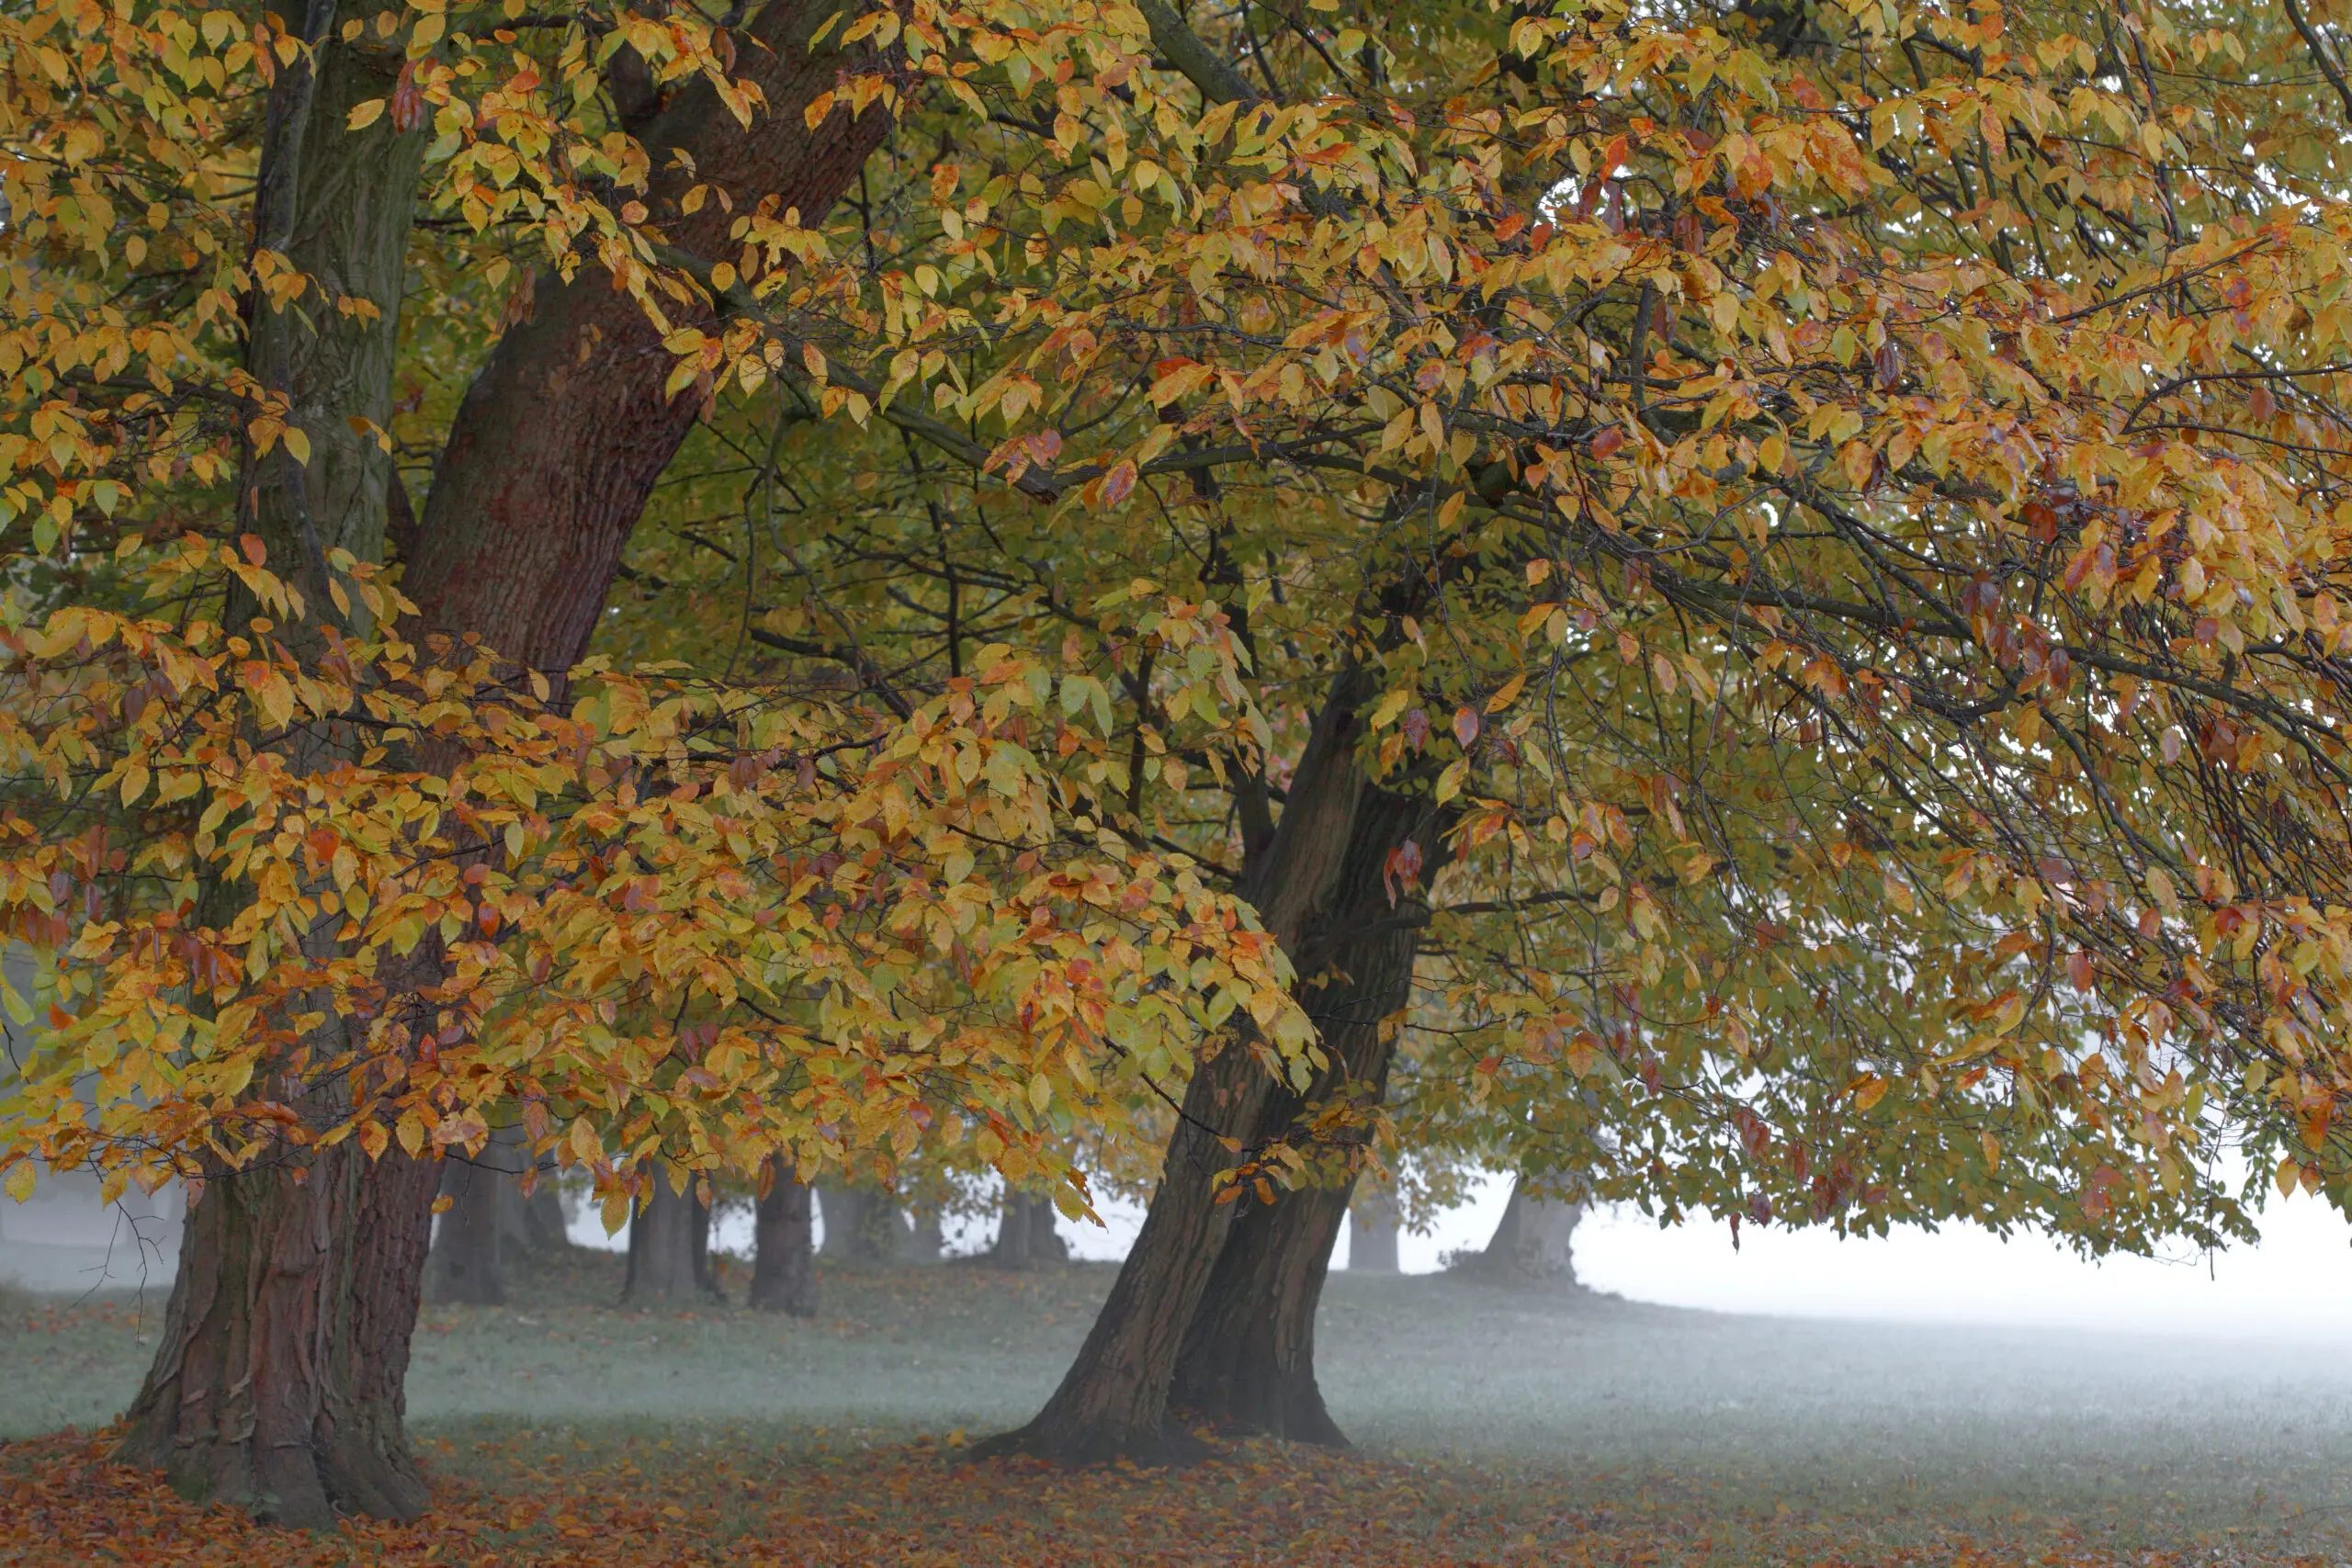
x=1483 y=1416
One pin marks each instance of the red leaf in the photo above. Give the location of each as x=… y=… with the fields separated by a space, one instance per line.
x=1607 y=440
x=1466 y=726
x=1118 y=484
x=408 y=101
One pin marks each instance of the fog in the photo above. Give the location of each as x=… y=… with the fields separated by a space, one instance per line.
x=1951 y=1373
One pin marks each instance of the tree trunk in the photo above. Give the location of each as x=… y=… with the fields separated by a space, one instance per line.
x=561 y=436
x=277 y=1383
x=1374 y=1226
x=465 y=1266
x=925 y=1234
x=1532 y=1241
x=698 y=1242
x=1113 y=1402
x=1247 y=1360
x=863 y=1226
x=277 y=1378
x=1026 y=1234
x=664 y=1238
x=783 y=1263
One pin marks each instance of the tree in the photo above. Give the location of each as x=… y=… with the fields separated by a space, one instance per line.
x=1530 y=1241
x=1026 y=1234
x=434 y=997
x=784 y=1261
x=1374 y=1226
x=1779 y=586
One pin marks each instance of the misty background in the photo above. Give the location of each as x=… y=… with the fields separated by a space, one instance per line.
x=2296 y=1283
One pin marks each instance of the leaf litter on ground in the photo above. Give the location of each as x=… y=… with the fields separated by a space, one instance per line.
x=561 y=1500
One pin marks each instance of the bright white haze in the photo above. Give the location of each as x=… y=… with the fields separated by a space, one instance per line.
x=2296 y=1283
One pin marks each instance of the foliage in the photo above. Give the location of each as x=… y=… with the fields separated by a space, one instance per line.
x=1839 y=505
x=1842 y=503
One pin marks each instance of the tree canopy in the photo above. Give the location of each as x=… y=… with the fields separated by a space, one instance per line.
x=1823 y=519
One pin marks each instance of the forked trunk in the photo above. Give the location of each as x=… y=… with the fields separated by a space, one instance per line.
x=1248 y=1361
x=784 y=1261
x=1113 y=1402
x=522 y=532
x=277 y=1378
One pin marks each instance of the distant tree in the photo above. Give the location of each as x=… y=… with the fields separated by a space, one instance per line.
x=1026 y=1234
x=1531 y=1240
x=1374 y=1226
x=669 y=1249
x=784 y=1260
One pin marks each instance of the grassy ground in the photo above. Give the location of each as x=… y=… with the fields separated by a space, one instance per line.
x=1489 y=1417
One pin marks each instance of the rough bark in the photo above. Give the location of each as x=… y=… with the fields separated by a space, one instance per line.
x=561 y=436
x=1247 y=1359
x=1374 y=1227
x=1026 y=1234
x=784 y=1260
x=1113 y=1402
x=277 y=1383
x=1532 y=1242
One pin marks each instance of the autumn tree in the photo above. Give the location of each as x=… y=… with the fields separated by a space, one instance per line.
x=343 y=928
x=1786 y=567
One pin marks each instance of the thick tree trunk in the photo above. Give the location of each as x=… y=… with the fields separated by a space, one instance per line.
x=277 y=1383
x=1113 y=1402
x=1247 y=1360
x=784 y=1261
x=277 y=1378
x=562 y=435
x=1533 y=1241
x=1025 y=1233
x=1374 y=1225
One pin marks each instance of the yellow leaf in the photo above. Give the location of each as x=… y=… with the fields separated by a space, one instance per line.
x=298 y=444
x=364 y=114
x=20 y=1181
